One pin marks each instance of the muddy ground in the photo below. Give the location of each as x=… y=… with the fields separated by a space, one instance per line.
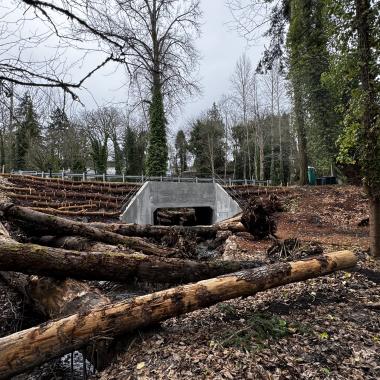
x=326 y=328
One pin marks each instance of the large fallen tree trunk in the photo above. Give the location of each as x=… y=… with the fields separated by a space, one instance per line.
x=39 y=222
x=112 y=266
x=36 y=345
x=147 y=230
x=55 y=298
x=74 y=243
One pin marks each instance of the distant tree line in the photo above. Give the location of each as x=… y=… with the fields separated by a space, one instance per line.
x=32 y=140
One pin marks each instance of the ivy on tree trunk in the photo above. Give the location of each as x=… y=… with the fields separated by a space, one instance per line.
x=157 y=159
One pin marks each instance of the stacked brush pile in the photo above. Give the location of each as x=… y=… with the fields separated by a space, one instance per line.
x=69 y=198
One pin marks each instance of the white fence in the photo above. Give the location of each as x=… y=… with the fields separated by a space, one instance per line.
x=142 y=178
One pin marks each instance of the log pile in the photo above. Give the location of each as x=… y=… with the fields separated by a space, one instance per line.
x=29 y=348
x=57 y=257
x=68 y=198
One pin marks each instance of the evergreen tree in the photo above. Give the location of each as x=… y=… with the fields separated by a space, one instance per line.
x=157 y=159
x=27 y=132
x=99 y=154
x=56 y=134
x=118 y=154
x=134 y=151
x=181 y=152
x=354 y=73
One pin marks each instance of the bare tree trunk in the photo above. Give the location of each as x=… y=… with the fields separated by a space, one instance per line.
x=261 y=152
x=369 y=118
x=248 y=150
x=374 y=226
x=281 y=158
x=272 y=127
x=29 y=348
x=109 y=265
x=157 y=232
x=301 y=135
x=255 y=155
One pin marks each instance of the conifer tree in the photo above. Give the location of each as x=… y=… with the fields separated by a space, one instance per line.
x=181 y=152
x=56 y=134
x=27 y=132
x=157 y=159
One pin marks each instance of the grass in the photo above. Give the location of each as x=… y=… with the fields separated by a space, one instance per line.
x=258 y=329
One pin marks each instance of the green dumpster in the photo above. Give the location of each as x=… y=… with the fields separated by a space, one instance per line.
x=312 y=176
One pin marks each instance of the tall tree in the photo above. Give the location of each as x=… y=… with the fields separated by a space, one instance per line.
x=181 y=151
x=158 y=36
x=157 y=159
x=206 y=143
x=356 y=71
x=97 y=126
x=56 y=133
x=297 y=48
x=27 y=131
x=242 y=82
x=135 y=142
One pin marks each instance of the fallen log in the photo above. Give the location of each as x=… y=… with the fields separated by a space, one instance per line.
x=66 y=182
x=55 y=298
x=111 y=265
x=38 y=221
x=147 y=230
x=36 y=194
x=82 y=212
x=158 y=232
x=74 y=243
x=72 y=204
x=29 y=348
x=233 y=224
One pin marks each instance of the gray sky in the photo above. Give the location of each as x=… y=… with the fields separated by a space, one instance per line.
x=220 y=48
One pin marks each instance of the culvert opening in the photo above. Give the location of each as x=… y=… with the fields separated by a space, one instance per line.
x=189 y=216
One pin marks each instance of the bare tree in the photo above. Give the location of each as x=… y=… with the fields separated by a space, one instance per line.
x=243 y=88
x=158 y=40
x=53 y=24
x=101 y=126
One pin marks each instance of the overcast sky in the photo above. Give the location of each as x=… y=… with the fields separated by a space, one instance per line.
x=220 y=47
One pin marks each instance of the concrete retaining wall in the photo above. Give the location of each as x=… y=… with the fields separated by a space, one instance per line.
x=157 y=195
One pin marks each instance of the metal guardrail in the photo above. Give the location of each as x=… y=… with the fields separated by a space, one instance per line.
x=142 y=178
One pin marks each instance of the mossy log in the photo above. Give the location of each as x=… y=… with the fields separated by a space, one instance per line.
x=39 y=223
x=29 y=348
x=111 y=265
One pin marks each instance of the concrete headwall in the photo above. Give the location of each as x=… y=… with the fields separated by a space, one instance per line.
x=156 y=195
